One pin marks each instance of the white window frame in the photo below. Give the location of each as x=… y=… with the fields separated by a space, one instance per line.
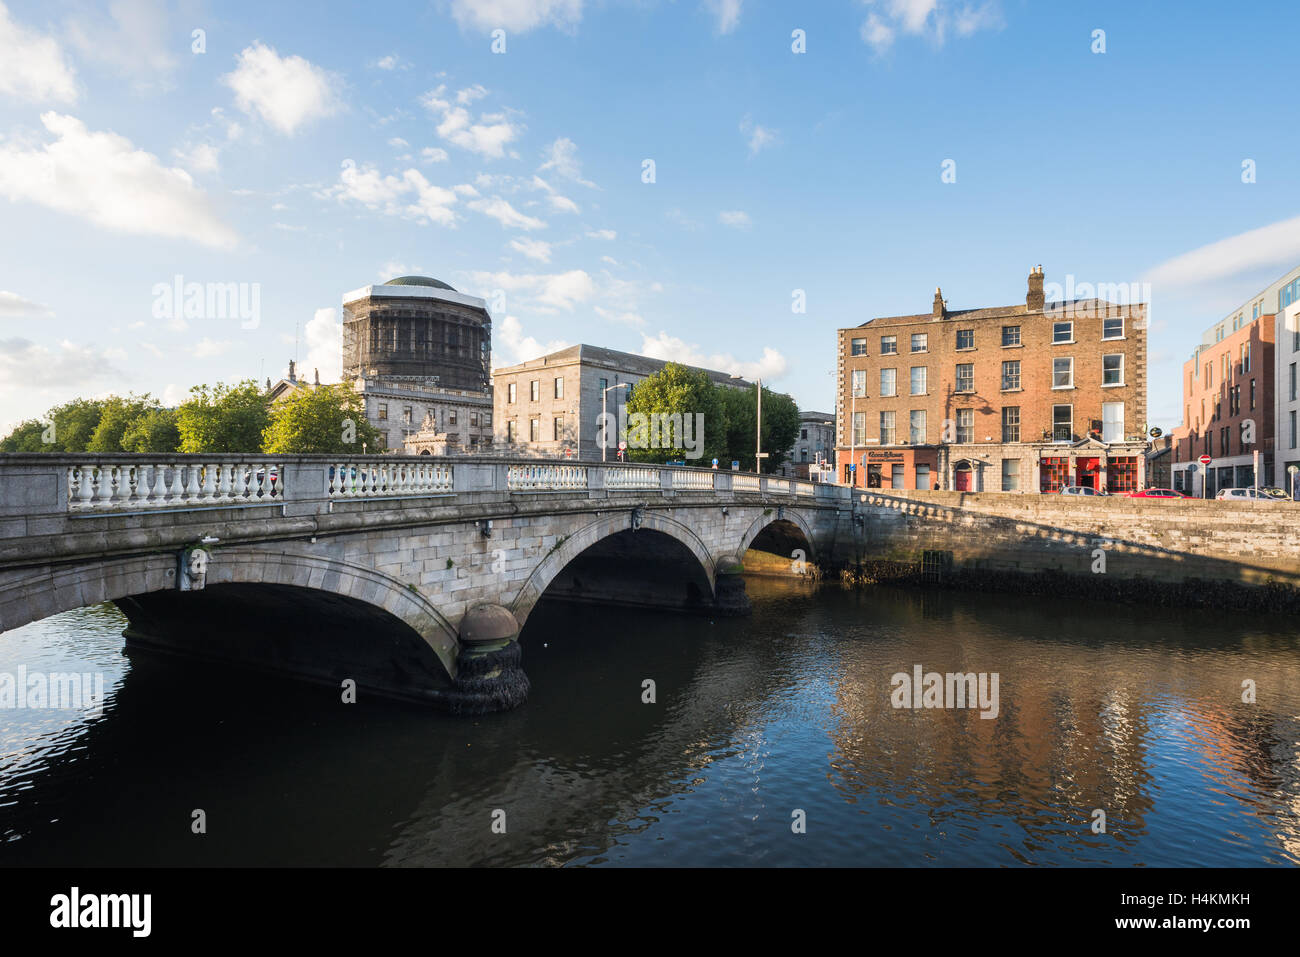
x=893 y=382
x=925 y=380
x=1070 y=384
x=1069 y=324
x=1112 y=355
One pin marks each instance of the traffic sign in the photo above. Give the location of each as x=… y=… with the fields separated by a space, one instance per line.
x=1205 y=460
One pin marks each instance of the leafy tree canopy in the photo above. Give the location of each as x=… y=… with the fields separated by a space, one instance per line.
x=326 y=419
x=678 y=410
x=224 y=418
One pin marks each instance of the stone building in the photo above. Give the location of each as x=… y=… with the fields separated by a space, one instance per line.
x=419 y=352
x=814 y=444
x=1020 y=398
x=551 y=406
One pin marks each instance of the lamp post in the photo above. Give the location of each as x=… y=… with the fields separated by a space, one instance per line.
x=758 y=439
x=604 y=415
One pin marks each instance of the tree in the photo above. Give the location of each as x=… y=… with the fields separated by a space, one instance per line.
x=675 y=414
x=117 y=416
x=74 y=424
x=27 y=436
x=154 y=431
x=223 y=418
x=780 y=425
x=326 y=419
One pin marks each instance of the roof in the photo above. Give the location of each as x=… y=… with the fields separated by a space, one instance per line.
x=419 y=281
x=1019 y=310
x=621 y=361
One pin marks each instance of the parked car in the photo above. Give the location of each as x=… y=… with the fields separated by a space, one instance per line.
x=1272 y=491
x=1240 y=493
x=1157 y=493
x=1079 y=490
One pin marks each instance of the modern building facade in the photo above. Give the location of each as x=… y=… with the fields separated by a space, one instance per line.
x=814 y=445
x=1022 y=398
x=1286 y=350
x=419 y=352
x=1228 y=407
x=551 y=406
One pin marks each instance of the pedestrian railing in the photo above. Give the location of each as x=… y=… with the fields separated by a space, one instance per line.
x=693 y=480
x=94 y=486
x=546 y=478
x=383 y=479
x=746 y=483
x=619 y=477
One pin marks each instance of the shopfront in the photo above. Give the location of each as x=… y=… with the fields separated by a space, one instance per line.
x=900 y=468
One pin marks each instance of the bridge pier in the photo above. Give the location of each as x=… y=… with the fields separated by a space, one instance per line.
x=488 y=672
x=729 y=588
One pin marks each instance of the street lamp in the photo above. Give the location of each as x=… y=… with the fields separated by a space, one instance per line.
x=604 y=420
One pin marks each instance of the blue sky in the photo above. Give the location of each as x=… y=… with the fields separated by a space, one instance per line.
x=308 y=152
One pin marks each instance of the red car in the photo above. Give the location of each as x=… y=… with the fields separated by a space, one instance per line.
x=1157 y=493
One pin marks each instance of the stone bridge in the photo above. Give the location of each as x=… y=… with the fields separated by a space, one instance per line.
x=411 y=577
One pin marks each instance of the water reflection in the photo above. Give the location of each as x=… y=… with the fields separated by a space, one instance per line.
x=1132 y=711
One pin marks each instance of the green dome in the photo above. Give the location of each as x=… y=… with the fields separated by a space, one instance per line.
x=419 y=281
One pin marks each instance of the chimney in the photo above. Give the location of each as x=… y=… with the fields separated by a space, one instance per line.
x=1034 y=300
x=939 y=310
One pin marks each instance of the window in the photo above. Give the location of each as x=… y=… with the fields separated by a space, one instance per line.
x=965 y=338
x=1112 y=421
x=406 y=414
x=965 y=425
x=473 y=420
x=920 y=342
x=559 y=427
x=859 y=382
x=1062 y=332
x=1209 y=375
x=1112 y=328
x=858 y=347
x=1056 y=473
x=1293 y=383
x=966 y=377
x=511 y=431
x=889 y=381
x=1245 y=357
x=1063 y=373
x=1293 y=428
x=534 y=429
x=1011 y=423
x=1241 y=440
x=510 y=391
x=923 y=475
x=1011 y=475
x=534 y=390
x=859 y=428
x=1112 y=370
x=918 y=380
x=1011 y=375
x=1252 y=396
x=1121 y=474
x=917 y=423
x=1062 y=423
x=896 y=476
x=886 y=428
x=889 y=345
x=803 y=434
x=383 y=406
x=559 y=387
x=487 y=419
x=1010 y=336
x=604 y=384
x=1225 y=365
x=451 y=416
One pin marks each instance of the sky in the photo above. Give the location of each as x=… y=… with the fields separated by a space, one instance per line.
x=720 y=182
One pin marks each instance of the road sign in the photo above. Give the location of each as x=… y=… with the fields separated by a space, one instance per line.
x=1205 y=460
x=715 y=463
x=622 y=446
x=735 y=466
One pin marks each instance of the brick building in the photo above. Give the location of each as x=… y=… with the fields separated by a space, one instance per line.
x=1227 y=409
x=1021 y=398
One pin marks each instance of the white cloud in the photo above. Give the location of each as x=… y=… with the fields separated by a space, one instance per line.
x=736 y=218
x=760 y=137
x=532 y=248
x=32 y=65
x=13 y=306
x=136 y=39
x=486 y=137
x=471 y=93
x=398 y=143
x=393 y=269
x=562 y=156
x=207 y=348
x=391 y=62
x=626 y=318
x=505 y=214
x=609 y=259
x=516 y=16
x=602 y=234
x=547 y=292
x=669 y=348
x=932 y=19
x=511 y=345
x=433 y=154
x=324 y=336
x=1277 y=244
x=286 y=92
x=26 y=365
x=727 y=13
x=103 y=178
x=559 y=203
x=203 y=158
x=409 y=196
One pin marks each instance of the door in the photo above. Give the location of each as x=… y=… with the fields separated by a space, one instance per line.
x=961 y=477
x=1086 y=471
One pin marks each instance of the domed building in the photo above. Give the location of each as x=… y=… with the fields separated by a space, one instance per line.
x=421 y=355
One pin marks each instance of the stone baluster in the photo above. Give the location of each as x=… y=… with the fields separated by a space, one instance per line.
x=85 y=476
x=158 y=481
x=209 y=491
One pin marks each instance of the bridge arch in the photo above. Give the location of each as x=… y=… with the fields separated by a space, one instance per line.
x=121 y=580
x=788 y=517
x=603 y=528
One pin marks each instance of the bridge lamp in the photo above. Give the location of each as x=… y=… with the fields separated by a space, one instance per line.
x=485 y=527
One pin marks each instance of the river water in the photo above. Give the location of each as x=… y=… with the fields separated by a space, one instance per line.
x=771 y=740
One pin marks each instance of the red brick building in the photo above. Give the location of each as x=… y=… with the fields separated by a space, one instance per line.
x=1021 y=398
x=1228 y=409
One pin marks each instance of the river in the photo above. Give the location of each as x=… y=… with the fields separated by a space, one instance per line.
x=771 y=740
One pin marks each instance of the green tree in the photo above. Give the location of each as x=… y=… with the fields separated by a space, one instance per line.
x=326 y=419
x=154 y=431
x=74 y=424
x=780 y=425
x=117 y=416
x=26 y=437
x=680 y=411
x=224 y=418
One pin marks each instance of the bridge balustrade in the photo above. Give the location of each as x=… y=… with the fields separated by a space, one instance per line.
x=631 y=477
x=546 y=478
x=172 y=485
